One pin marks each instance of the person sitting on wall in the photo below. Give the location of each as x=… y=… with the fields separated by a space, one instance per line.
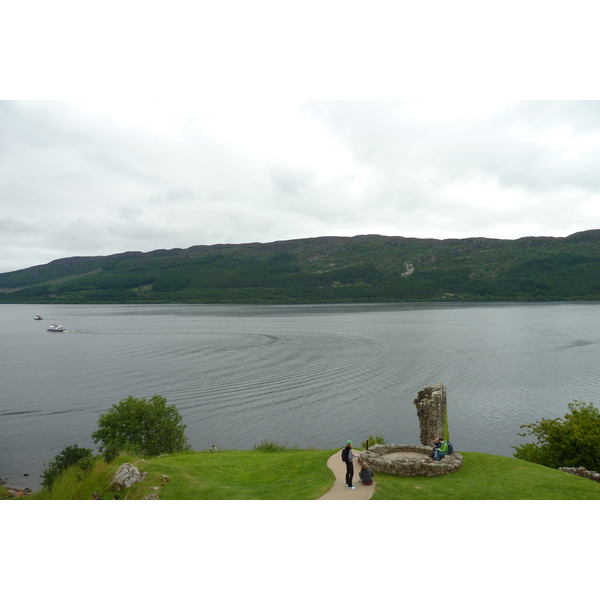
x=441 y=451
x=366 y=475
x=436 y=444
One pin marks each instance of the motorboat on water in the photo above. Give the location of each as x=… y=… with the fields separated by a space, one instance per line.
x=38 y=318
x=54 y=327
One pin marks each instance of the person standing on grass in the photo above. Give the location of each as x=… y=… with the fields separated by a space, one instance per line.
x=348 y=457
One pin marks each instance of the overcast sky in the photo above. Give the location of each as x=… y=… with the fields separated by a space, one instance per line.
x=262 y=149
x=84 y=178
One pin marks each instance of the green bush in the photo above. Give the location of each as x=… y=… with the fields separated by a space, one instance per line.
x=71 y=455
x=110 y=453
x=569 y=441
x=271 y=446
x=149 y=427
x=376 y=439
x=84 y=467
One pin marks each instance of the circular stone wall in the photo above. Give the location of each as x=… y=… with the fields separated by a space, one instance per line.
x=409 y=461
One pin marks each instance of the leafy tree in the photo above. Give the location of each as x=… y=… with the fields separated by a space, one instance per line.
x=149 y=427
x=376 y=439
x=71 y=455
x=569 y=441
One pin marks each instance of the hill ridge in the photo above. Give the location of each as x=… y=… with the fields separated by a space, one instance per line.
x=361 y=268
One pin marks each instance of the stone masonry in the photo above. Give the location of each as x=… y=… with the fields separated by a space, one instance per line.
x=431 y=410
x=581 y=472
x=407 y=460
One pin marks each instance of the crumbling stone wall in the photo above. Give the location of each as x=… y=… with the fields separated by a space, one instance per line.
x=431 y=410
x=385 y=459
x=406 y=460
x=581 y=472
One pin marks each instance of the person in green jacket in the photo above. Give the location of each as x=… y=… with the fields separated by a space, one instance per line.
x=441 y=451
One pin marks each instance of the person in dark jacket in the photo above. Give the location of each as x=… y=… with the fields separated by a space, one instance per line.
x=366 y=475
x=348 y=457
x=436 y=445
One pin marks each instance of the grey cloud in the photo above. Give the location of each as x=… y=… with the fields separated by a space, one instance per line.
x=510 y=147
x=74 y=184
x=290 y=179
x=18 y=227
x=177 y=193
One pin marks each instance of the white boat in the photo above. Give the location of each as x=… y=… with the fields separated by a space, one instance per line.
x=38 y=318
x=54 y=327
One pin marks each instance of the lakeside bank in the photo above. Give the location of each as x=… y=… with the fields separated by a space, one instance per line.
x=304 y=475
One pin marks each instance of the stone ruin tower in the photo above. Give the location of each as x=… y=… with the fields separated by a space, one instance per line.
x=431 y=410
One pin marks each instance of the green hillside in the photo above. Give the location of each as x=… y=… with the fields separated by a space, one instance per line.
x=369 y=268
x=296 y=474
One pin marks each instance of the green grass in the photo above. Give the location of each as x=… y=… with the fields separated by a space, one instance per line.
x=230 y=475
x=238 y=475
x=293 y=474
x=489 y=477
x=68 y=486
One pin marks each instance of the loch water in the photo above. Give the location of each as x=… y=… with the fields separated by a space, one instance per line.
x=308 y=376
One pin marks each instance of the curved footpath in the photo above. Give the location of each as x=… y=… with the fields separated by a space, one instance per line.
x=339 y=491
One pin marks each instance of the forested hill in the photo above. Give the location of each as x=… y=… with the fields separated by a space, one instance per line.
x=366 y=268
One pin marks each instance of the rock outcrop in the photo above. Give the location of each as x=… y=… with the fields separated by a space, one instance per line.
x=126 y=476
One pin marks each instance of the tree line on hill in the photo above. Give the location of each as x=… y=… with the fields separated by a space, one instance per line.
x=369 y=268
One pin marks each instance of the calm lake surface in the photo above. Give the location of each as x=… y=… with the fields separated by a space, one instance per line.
x=302 y=375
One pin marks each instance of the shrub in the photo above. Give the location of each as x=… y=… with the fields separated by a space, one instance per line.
x=84 y=467
x=149 y=427
x=68 y=457
x=570 y=441
x=376 y=439
x=271 y=446
x=110 y=453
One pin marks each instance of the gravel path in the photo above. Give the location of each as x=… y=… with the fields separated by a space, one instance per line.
x=339 y=491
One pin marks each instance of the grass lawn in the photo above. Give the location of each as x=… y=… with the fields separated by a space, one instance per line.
x=303 y=475
x=489 y=477
x=226 y=475
x=252 y=475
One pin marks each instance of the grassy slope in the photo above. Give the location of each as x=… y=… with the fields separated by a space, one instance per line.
x=303 y=475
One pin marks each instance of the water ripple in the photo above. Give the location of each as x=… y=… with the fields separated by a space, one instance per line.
x=309 y=376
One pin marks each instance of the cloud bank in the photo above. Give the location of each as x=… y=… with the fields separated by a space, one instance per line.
x=100 y=178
